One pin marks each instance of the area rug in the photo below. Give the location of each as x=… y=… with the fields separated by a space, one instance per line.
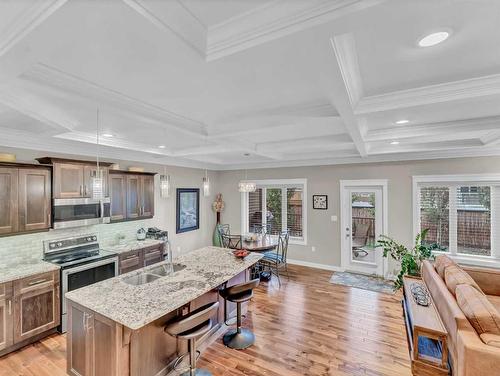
x=364 y=282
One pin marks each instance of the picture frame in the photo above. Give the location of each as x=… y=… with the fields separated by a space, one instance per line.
x=187 y=210
x=320 y=202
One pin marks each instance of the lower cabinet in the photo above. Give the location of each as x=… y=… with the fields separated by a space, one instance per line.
x=28 y=307
x=139 y=258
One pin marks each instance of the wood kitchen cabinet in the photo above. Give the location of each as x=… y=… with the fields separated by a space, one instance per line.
x=25 y=195
x=36 y=305
x=139 y=258
x=6 y=322
x=132 y=195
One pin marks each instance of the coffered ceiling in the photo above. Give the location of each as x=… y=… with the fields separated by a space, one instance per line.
x=226 y=84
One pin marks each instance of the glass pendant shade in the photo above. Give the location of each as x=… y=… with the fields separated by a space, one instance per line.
x=97 y=184
x=164 y=186
x=247 y=186
x=206 y=187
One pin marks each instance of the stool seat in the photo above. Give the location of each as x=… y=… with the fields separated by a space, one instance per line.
x=237 y=298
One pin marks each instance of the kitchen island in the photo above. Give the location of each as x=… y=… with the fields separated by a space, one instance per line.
x=115 y=327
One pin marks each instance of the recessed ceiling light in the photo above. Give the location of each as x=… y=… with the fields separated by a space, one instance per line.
x=161 y=146
x=403 y=121
x=394 y=142
x=433 y=39
x=107 y=135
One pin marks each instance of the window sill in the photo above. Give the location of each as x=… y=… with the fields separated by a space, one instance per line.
x=484 y=261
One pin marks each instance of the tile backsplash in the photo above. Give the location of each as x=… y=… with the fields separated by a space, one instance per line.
x=25 y=247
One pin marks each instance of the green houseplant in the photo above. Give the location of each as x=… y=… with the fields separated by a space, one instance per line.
x=410 y=259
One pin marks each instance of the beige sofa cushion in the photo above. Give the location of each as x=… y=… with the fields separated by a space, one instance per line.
x=490 y=339
x=454 y=275
x=479 y=311
x=495 y=300
x=441 y=263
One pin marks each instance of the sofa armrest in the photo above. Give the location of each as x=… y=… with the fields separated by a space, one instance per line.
x=488 y=279
x=475 y=357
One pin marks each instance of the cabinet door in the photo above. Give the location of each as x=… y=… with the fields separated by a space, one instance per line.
x=131 y=261
x=147 y=196
x=34 y=199
x=8 y=200
x=68 y=180
x=6 y=311
x=36 y=311
x=118 y=195
x=80 y=340
x=133 y=196
x=152 y=256
x=88 y=173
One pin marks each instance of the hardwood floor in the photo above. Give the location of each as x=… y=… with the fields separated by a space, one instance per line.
x=306 y=327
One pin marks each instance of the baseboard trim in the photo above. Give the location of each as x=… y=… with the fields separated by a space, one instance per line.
x=333 y=268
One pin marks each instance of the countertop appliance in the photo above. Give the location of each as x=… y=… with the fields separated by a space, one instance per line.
x=82 y=263
x=141 y=234
x=75 y=212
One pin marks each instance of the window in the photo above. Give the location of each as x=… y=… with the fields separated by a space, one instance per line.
x=276 y=205
x=458 y=212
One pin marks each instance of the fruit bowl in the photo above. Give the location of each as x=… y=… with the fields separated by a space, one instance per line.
x=241 y=253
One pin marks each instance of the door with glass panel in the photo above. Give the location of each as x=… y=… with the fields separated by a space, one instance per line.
x=363 y=223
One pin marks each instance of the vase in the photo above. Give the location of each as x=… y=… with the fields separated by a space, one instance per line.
x=216 y=239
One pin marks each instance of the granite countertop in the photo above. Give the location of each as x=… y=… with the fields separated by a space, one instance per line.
x=24 y=268
x=137 y=306
x=131 y=245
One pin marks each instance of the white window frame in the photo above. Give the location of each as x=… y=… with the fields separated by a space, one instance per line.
x=283 y=184
x=466 y=180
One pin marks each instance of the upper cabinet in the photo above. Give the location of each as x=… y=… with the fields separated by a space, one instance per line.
x=25 y=194
x=132 y=195
x=73 y=178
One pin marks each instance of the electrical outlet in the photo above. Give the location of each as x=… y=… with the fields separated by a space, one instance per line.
x=313 y=248
x=334 y=218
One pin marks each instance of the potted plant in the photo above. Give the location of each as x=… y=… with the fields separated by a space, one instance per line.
x=409 y=259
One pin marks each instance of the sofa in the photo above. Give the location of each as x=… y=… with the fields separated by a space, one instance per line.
x=468 y=301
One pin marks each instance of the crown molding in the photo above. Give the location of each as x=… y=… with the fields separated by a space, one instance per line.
x=275 y=20
x=29 y=19
x=174 y=17
x=47 y=76
x=445 y=128
x=344 y=47
x=445 y=92
x=492 y=138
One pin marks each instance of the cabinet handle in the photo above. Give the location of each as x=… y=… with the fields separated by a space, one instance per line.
x=81 y=190
x=85 y=190
x=84 y=321
x=10 y=307
x=33 y=283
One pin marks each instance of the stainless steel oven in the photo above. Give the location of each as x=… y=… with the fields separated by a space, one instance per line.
x=76 y=276
x=75 y=212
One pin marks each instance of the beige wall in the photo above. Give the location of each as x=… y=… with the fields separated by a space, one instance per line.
x=324 y=234
x=164 y=211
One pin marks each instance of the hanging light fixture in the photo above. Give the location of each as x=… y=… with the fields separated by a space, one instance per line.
x=245 y=186
x=206 y=185
x=97 y=179
x=164 y=184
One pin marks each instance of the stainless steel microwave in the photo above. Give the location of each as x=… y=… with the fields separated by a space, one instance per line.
x=76 y=212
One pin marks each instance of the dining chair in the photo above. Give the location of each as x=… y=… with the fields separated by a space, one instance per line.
x=276 y=259
x=231 y=241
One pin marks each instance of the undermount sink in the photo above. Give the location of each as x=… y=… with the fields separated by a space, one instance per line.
x=164 y=270
x=140 y=279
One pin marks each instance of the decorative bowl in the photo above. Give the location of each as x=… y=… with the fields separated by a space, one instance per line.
x=240 y=253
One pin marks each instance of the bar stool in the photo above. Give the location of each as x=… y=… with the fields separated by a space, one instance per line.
x=239 y=338
x=190 y=328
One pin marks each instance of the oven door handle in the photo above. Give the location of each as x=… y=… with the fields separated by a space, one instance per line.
x=91 y=265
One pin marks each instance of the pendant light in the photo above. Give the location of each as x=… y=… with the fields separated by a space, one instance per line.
x=206 y=185
x=245 y=186
x=164 y=184
x=97 y=180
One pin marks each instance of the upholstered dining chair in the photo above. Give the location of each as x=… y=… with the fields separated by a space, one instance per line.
x=276 y=259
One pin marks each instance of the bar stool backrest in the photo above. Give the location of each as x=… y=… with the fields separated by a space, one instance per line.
x=195 y=318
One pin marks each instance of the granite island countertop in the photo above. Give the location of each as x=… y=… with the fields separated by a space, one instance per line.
x=131 y=245
x=137 y=306
x=12 y=271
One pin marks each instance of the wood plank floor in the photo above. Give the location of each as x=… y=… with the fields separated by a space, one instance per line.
x=306 y=327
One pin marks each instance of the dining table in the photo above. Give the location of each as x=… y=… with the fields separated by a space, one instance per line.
x=263 y=243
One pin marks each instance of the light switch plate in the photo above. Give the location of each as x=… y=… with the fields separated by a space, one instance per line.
x=334 y=218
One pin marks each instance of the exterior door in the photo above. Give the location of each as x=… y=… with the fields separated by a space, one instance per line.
x=363 y=221
x=8 y=200
x=34 y=199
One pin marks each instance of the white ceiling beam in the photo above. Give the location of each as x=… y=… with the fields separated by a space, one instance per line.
x=336 y=142
x=47 y=76
x=447 y=128
x=492 y=138
x=386 y=148
x=174 y=17
x=426 y=95
x=274 y=20
x=340 y=91
x=35 y=14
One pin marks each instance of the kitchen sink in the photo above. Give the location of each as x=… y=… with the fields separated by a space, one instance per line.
x=140 y=279
x=167 y=269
